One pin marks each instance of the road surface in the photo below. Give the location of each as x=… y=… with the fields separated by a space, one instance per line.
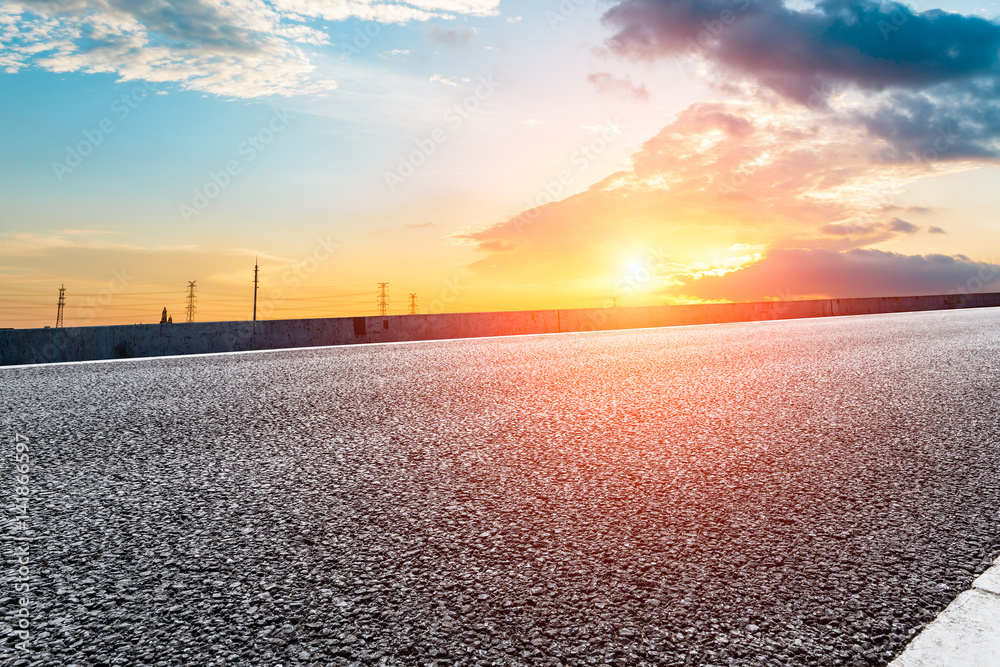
x=788 y=493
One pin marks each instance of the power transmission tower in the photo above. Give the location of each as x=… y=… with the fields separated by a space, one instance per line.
x=255 y=284
x=62 y=306
x=413 y=304
x=383 y=299
x=190 y=301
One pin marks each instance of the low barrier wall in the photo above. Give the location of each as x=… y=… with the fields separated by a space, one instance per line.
x=31 y=346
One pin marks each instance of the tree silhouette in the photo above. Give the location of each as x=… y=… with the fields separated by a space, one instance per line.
x=163 y=317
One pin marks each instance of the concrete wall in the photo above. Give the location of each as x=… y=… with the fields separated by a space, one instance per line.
x=29 y=346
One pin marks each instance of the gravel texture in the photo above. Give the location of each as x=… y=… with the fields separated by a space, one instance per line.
x=797 y=493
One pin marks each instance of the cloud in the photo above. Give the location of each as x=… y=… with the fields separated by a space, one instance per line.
x=240 y=48
x=421 y=225
x=867 y=233
x=838 y=112
x=29 y=244
x=870 y=45
x=914 y=210
x=798 y=272
x=83 y=232
x=394 y=54
x=936 y=230
x=844 y=229
x=264 y=254
x=609 y=84
x=387 y=11
x=460 y=36
x=949 y=123
x=896 y=225
x=929 y=79
x=902 y=226
x=750 y=172
x=437 y=78
x=750 y=200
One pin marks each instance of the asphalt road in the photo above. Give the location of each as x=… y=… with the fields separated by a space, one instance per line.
x=803 y=492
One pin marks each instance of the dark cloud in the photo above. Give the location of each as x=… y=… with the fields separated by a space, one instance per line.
x=179 y=23
x=954 y=122
x=606 y=83
x=786 y=273
x=190 y=23
x=799 y=53
x=461 y=36
x=902 y=226
x=938 y=69
x=848 y=229
x=893 y=227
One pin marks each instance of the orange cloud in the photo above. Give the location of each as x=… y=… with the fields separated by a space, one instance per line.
x=719 y=177
x=799 y=272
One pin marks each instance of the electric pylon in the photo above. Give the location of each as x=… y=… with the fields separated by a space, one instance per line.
x=190 y=301
x=383 y=299
x=413 y=304
x=61 y=306
x=255 y=284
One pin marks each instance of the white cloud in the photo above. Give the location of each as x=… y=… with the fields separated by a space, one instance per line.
x=393 y=54
x=238 y=48
x=83 y=232
x=31 y=244
x=387 y=11
x=437 y=78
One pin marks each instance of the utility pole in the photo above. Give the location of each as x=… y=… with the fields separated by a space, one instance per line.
x=190 y=301
x=614 y=302
x=413 y=304
x=383 y=299
x=62 y=306
x=256 y=282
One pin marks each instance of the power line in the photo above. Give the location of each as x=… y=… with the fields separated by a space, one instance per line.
x=326 y=298
x=118 y=295
x=215 y=303
x=383 y=299
x=26 y=295
x=135 y=306
x=126 y=307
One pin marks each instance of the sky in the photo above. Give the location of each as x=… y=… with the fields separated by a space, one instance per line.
x=490 y=154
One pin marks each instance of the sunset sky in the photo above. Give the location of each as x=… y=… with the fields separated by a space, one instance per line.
x=491 y=154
